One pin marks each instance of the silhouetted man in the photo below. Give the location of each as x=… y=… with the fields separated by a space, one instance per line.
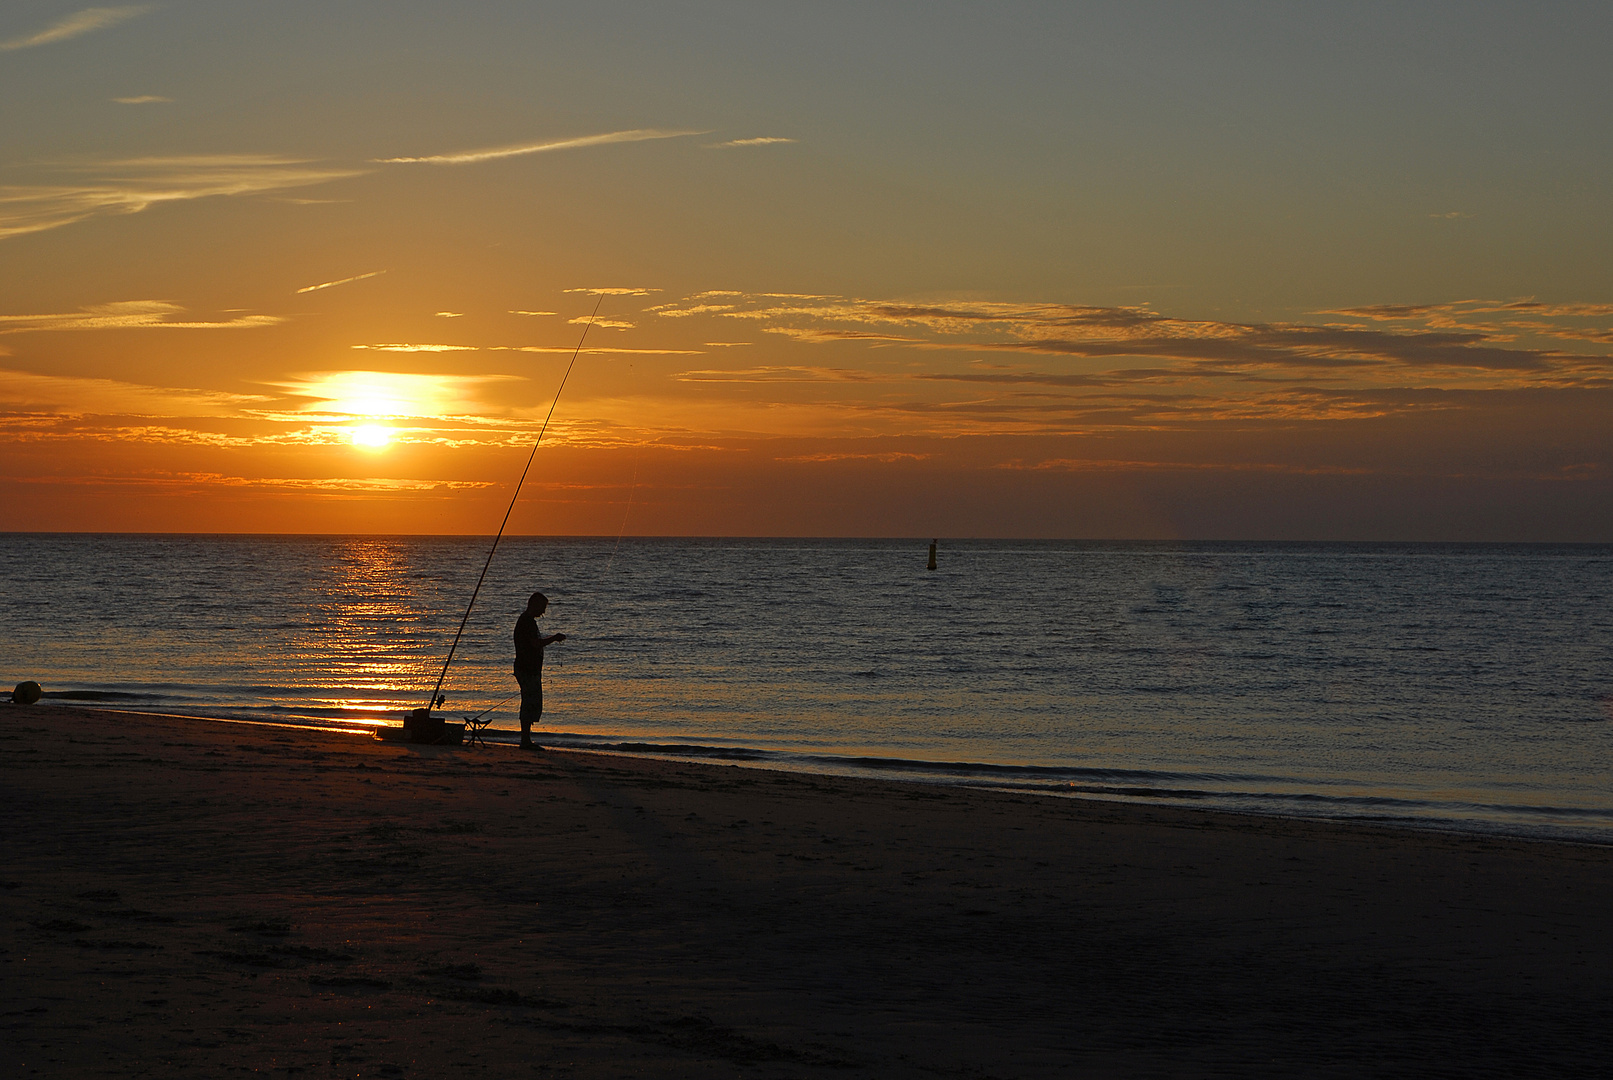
x=529 y=646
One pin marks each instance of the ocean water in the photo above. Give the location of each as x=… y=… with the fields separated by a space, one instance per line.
x=1450 y=686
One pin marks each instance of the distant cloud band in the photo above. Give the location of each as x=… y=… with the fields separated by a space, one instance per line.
x=1447 y=340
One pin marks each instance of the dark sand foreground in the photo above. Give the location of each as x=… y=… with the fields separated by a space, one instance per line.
x=188 y=898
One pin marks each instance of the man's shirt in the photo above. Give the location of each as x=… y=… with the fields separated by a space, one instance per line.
x=528 y=644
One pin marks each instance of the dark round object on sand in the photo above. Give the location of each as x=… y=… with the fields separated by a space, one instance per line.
x=26 y=693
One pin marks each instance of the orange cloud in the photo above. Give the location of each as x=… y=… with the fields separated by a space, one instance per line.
x=128 y=315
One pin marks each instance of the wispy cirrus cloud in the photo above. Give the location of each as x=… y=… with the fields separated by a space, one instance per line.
x=822 y=333
x=369 y=485
x=129 y=315
x=734 y=144
x=593 y=349
x=75 y=191
x=688 y=311
x=614 y=290
x=1573 y=333
x=404 y=346
x=1019 y=378
x=144 y=99
x=888 y=457
x=89 y=189
x=199 y=483
x=774 y=374
x=76 y=25
x=607 y=324
x=339 y=281
x=1130 y=466
x=1297 y=347
x=414 y=347
x=1498 y=320
x=496 y=153
x=1462 y=312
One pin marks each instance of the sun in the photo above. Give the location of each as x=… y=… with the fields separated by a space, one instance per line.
x=372 y=436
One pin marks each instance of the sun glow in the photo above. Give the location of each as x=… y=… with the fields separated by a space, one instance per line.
x=372 y=436
x=373 y=396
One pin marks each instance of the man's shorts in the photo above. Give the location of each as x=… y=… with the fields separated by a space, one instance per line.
x=531 y=695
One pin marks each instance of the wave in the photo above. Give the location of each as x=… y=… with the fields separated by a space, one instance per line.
x=734 y=753
x=1243 y=793
x=103 y=695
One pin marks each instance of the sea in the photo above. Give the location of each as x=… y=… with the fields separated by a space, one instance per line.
x=1463 y=687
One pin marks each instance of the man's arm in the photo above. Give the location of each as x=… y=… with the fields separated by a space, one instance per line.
x=551 y=639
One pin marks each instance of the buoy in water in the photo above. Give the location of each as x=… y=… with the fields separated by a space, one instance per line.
x=932 y=554
x=26 y=693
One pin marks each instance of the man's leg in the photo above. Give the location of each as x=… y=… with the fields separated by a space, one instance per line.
x=531 y=705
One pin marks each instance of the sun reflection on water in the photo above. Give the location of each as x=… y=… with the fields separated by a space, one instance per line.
x=365 y=648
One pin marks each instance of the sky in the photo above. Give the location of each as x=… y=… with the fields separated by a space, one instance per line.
x=1069 y=270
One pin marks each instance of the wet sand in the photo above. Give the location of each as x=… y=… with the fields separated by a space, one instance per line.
x=191 y=898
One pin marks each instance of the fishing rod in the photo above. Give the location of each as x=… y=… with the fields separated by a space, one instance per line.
x=436 y=692
x=489 y=709
x=588 y=607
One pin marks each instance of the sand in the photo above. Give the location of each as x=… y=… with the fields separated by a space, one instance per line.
x=194 y=898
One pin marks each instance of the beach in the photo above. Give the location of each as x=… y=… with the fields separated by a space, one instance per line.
x=188 y=897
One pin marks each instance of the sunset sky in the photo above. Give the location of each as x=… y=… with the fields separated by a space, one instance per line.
x=1190 y=270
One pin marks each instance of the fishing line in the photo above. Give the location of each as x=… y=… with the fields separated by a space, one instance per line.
x=588 y=606
x=490 y=708
x=631 y=491
x=432 y=703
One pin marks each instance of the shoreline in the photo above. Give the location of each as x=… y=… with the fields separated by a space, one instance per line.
x=183 y=898
x=943 y=774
